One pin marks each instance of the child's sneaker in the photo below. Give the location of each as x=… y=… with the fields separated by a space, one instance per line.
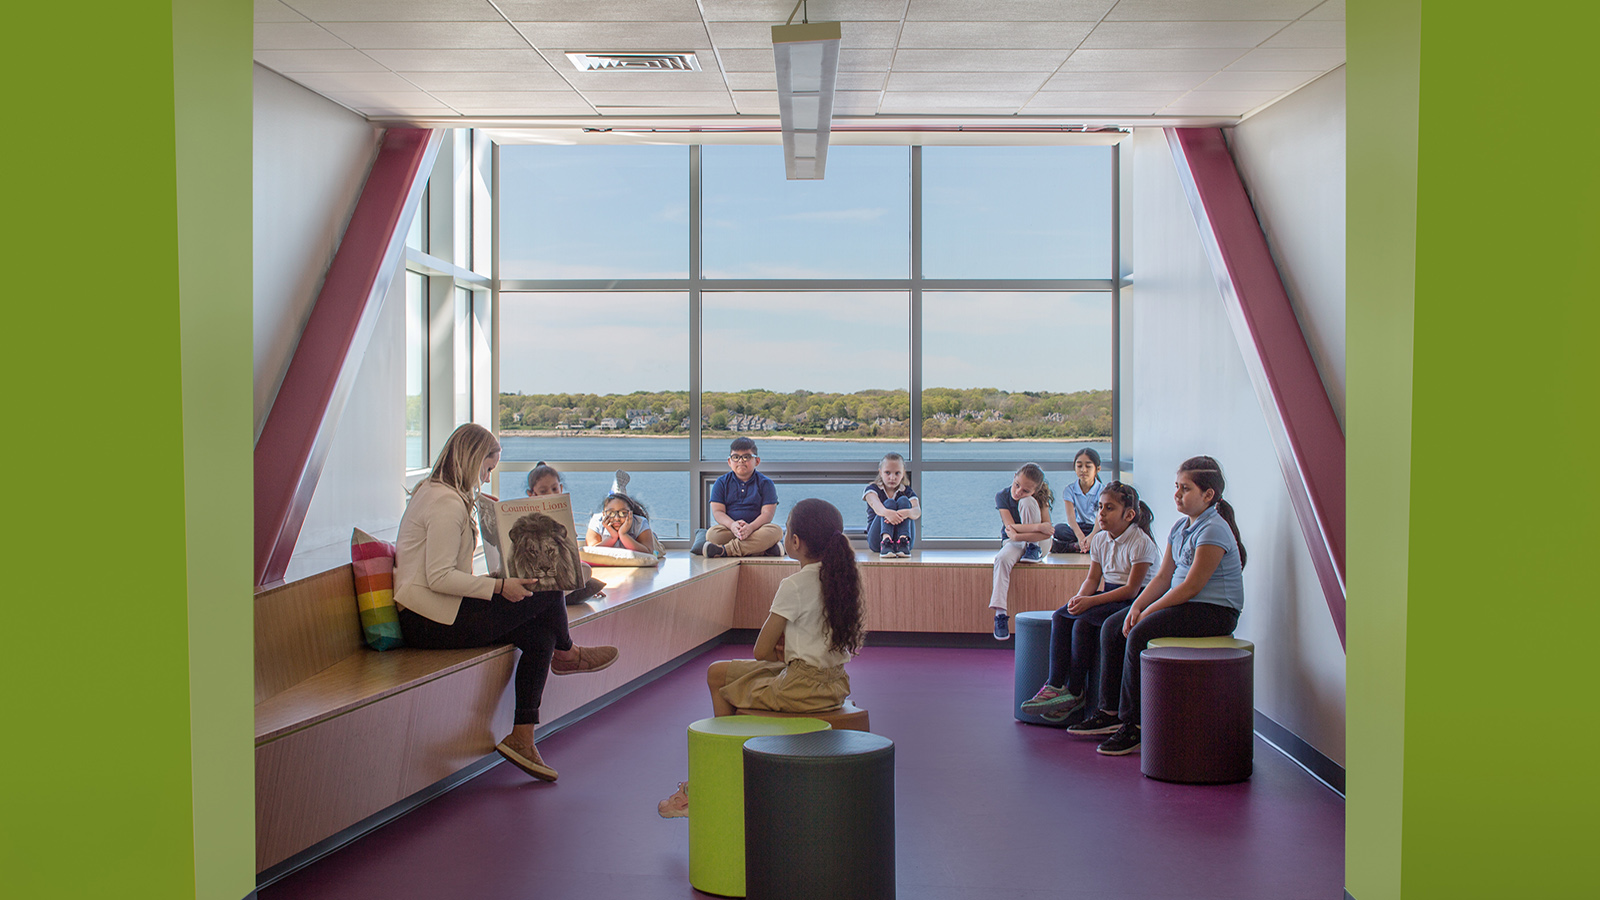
x=1032 y=553
x=1125 y=741
x=902 y=547
x=1099 y=723
x=888 y=551
x=1051 y=699
x=1002 y=626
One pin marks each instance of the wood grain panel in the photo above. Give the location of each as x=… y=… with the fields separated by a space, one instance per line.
x=357 y=680
x=457 y=720
x=647 y=635
x=758 y=582
x=315 y=782
x=304 y=627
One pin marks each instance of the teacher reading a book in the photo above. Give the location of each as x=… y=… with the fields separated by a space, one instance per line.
x=443 y=605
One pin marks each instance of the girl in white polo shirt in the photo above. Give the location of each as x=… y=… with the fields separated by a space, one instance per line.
x=1123 y=552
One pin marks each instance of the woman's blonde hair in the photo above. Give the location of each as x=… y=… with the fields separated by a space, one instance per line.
x=462 y=459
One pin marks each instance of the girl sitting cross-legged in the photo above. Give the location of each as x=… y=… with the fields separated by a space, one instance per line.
x=815 y=626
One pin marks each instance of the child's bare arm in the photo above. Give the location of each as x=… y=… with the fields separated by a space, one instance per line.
x=769 y=638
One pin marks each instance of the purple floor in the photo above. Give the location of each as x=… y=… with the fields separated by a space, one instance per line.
x=986 y=807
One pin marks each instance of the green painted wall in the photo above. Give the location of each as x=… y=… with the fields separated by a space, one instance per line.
x=1499 y=773
x=211 y=61
x=110 y=770
x=1381 y=160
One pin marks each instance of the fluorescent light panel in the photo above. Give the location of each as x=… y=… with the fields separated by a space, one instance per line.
x=807 y=58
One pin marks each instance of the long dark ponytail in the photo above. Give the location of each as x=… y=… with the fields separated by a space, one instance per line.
x=820 y=527
x=1129 y=498
x=1206 y=473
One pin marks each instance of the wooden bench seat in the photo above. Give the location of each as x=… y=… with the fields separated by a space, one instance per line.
x=343 y=732
x=357 y=680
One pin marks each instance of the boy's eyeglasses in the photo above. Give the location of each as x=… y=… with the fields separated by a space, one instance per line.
x=740 y=457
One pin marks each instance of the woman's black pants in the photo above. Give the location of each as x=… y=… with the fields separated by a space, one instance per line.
x=536 y=625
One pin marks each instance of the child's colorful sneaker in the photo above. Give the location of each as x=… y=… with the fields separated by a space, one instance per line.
x=1051 y=699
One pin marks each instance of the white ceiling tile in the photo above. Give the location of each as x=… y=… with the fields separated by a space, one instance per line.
x=776 y=12
x=937 y=101
x=1236 y=80
x=979 y=60
x=852 y=35
x=291 y=61
x=859 y=81
x=1165 y=35
x=865 y=60
x=1009 y=10
x=675 y=99
x=662 y=111
x=1105 y=99
x=397 y=10
x=641 y=81
x=1322 y=35
x=1125 y=81
x=996 y=35
x=925 y=82
x=435 y=82
x=428 y=35
x=767 y=81
x=1231 y=103
x=462 y=60
x=1134 y=103
x=751 y=60
x=295 y=36
x=600 y=36
x=1149 y=60
x=1331 y=10
x=527 y=103
x=391 y=103
x=354 y=82
x=855 y=102
x=273 y=11
x=756 y=102
x=1209 y=10
x=599 y=10
x=747 y=82
x=1309 y=60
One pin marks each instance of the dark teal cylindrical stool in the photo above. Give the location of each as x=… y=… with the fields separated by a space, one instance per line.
x=1032 y=665
x=819 y=816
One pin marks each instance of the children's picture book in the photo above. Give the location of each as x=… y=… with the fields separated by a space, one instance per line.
x=532 y=538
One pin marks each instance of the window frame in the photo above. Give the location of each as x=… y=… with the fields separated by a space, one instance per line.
x=702 y=472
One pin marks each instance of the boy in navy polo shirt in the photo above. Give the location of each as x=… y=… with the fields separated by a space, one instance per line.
x=743 y=503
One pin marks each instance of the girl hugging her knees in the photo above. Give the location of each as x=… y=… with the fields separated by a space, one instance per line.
x=1197 y=592
x=892 y=509
x=1025 y=523
x=816 y=625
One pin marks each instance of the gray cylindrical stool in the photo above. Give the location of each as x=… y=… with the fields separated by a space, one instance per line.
x=819 y=816
x=1032 y=664
x=1197 y=710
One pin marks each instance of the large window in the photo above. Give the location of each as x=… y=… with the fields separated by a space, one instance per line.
x=656 y=302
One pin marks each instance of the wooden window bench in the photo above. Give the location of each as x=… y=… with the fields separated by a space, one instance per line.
x=343 y=732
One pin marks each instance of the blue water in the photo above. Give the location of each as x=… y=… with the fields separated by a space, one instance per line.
x=955 y=504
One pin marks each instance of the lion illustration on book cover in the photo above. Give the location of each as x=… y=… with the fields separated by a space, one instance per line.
x=542 y=549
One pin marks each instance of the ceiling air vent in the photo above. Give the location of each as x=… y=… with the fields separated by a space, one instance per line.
x=635 y=62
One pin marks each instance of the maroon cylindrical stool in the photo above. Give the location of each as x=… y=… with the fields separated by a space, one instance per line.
x=1197 y=714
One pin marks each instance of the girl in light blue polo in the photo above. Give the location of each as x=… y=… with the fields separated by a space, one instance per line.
x=1083 y=497
x=1197 y=592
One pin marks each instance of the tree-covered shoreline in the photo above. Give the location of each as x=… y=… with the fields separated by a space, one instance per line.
x=948 y=413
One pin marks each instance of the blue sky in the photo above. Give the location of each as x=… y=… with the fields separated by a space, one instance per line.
x=622 y=212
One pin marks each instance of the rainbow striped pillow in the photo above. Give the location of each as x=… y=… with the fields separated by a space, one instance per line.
x=373 y=562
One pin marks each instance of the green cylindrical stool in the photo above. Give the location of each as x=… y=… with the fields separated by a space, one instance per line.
x=1227 y=642
x=716 y=796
